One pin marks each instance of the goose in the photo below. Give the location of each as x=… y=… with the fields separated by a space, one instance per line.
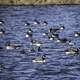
x=39 y=59
x=72 y=51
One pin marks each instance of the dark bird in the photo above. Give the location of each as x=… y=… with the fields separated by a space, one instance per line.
x=77 y=34
x=10 y=46
x=2 y=31
x=53 y=30
x=36 y=22
x=29 y=33
x=40 y=59
x=72 y=51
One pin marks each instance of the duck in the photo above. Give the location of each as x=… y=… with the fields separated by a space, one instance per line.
x=1 y=22
x=45 y=22
x=27 y=24
x=1 y=66
x=45 y=33
x=29 y=33
x=22 y=51
x=10 y=46
x=53 y=36
x=36 y=22
x=77 y=34
x=72 y=51
x=63 y=40
x=53 y=30
x=36 y=43
x=2 y=32
x=39 y=59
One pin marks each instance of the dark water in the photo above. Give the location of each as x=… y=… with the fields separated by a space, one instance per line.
x=58 y=65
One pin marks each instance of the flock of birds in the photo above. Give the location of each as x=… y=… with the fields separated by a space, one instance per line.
x=52 y=34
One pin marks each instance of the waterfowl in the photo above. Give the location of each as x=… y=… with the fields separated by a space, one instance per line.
x=1 y=66
x=29 y=33
x=45 y=34
x=36 y=43
x=63 y=40
x=22 y=51
x=2 y=31
x=45 y=22
x=52 y=36
x=1 y=22
x=10 y=46
x=39 y=59
x=77 y=34
x=36 y=22
x=53 y=30
x=39 y=48
x=72 y=51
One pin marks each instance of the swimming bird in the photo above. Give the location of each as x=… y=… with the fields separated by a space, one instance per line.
x=1 y=66
x=53 y=30
x=22 y=51
x=72 y=51
x=36 y=43
x=45 y=22
x=77 y=34
x=64 y=40
x=36 y=22
x=53 y=36
x=29 y=33
x=39 y=59
x=1 y=22
x=2 y=31
x=10 y=46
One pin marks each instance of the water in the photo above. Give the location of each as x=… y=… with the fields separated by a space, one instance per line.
x=58 y=65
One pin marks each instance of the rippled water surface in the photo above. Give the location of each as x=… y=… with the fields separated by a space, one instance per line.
x=58 y=65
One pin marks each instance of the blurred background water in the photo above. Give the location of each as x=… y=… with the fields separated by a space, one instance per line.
x=58 y=65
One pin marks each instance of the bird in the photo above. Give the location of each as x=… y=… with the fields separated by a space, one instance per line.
x=77 y=34
x=2 y=31
x=53 y=36
x=45 y=33
x=53 y=30
x=45 y=22
x=39 y=59
x=10 y=46
x=36 y=43
x=2 y=66
x=36 y=22
x=22 y=51
x=72 y=51
x=29 y=33
x=1 y=22
x=64 y=40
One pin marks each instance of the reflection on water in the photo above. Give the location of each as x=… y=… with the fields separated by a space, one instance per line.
x=18 y=63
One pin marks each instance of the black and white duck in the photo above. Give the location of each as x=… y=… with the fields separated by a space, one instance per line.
x=10 y=46
x=72 y=51
x=39 y=59
x=29 y=33
x=2 y=31
x=36 y=43
x=53 y=30
x=77 y=34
